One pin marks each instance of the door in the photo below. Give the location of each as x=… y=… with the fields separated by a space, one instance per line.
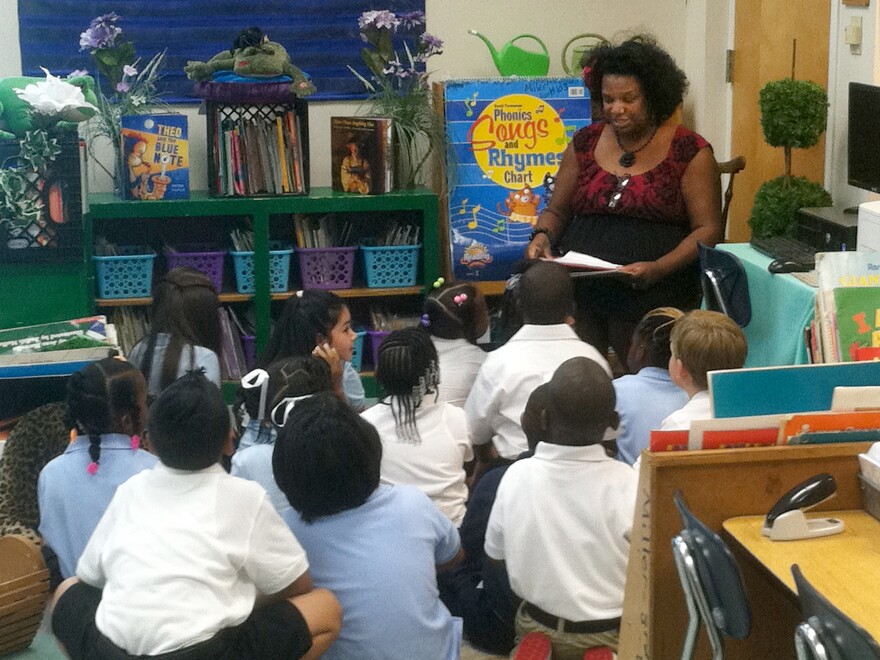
x=763 y=34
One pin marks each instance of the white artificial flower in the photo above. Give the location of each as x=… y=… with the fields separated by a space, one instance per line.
x=58 y=97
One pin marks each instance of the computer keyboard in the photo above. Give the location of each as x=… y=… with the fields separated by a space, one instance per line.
x=784 y=248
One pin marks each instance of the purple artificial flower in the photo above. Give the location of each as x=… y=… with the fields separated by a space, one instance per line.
x=394 y=68
x=123 y=87
x=379 y=20
x=129 y=70
x=101 y=33
x=430 y=45
x=412 y=19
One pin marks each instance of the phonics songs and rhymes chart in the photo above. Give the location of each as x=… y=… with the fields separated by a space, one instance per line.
x=506 y=138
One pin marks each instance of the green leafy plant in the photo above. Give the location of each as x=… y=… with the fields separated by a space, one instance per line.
x=20 y=203
x=397 y=48
x=793 y=115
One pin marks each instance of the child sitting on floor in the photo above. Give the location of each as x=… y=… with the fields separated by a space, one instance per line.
x=108 y=400
x=701 y=341
x=424 y=444
x=456 y=316
x=377 y=547
x=562 y=519
x=647 y=395
x=190 y=561
x=269 y=396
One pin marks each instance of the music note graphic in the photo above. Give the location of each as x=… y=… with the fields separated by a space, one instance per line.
x=488 y=174
x=499 y=226
x=539 y=110
x=462 y=210
x=473 y=223
x=470 y=105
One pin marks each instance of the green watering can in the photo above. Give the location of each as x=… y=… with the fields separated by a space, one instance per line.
x=511 y=60
x=571 y=63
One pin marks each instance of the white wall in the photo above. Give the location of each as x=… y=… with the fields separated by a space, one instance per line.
x=696 y=33
x=844 y=67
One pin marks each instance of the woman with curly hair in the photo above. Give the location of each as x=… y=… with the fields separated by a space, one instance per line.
x=637 y=189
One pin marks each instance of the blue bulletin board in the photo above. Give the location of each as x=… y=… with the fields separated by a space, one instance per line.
x=505 y=136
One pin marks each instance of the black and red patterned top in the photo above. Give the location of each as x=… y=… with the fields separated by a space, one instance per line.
x=649 y=219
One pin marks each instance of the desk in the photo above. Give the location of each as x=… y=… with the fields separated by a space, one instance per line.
x=782 y=306
x=845 y=567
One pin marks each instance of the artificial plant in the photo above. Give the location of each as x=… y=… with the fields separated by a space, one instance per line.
x=793 y=115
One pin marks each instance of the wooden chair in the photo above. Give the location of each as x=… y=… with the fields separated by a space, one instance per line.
x=24 y=589
x=730 y=167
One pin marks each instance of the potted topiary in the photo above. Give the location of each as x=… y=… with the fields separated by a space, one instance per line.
x=793 y=115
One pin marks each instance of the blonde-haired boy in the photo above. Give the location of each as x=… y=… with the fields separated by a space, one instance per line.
x=701 y=341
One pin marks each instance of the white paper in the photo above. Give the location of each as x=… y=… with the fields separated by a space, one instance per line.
x=579 y=260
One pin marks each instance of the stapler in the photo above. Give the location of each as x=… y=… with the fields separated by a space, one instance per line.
x=786 y=520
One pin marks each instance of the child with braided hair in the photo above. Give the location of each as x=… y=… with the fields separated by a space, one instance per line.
x=108 y=400
x=424 y=443
x=456 y=316
x=647 y=394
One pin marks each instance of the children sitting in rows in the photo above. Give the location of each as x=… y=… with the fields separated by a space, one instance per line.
x=108 y=400
x=456 y=316
x=568 y=566
x=647 y=395
x=424 y=444
x=189 y=559
x=269 y=395
x=317 y=323
x=528 y=359
x=701 y=341
x=377 y=547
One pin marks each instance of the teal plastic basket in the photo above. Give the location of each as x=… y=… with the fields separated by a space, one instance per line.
x=279 y=268
x=128 y=274
x=357 y=356
x=391 y=266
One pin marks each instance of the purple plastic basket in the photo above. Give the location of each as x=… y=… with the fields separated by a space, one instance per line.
x=202 y=258
x=376 y=339
x=326 y=268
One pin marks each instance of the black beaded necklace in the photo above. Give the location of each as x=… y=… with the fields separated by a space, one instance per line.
x=628 y=158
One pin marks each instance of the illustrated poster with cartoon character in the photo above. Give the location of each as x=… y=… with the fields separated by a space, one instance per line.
x=507 y=137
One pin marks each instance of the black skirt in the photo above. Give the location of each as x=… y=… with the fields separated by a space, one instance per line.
x=626 y=240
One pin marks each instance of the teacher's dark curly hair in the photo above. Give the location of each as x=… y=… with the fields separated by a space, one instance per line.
x=663 y=83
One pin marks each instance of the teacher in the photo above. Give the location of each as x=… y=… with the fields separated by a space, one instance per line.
x=637 y=189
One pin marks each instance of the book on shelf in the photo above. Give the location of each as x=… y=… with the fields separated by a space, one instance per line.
x=155 y=151
x=362 y=154
x=259 y=154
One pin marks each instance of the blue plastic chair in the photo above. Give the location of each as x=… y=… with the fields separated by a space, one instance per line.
x=827 y=633
x=725 y=284
x=712 y=584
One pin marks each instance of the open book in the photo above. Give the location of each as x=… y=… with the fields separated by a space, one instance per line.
x=590 y=265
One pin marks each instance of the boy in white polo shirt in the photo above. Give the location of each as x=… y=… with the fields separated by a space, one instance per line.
x=189 y=562
x=510 y=373
x=561 y=520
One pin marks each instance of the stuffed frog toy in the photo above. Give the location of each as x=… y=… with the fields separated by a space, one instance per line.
x=267 y=59
x=17 y=115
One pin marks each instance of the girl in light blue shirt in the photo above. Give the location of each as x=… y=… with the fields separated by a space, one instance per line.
x=108 y=400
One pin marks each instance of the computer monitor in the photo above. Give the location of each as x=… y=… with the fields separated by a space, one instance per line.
x=863 y=137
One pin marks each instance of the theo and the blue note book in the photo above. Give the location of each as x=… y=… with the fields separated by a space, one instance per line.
x=155 y=156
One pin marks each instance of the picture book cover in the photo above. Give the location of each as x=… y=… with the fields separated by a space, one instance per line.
x=506 y=138
x=362 y=155
x=858 y=320
x=155 y=154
